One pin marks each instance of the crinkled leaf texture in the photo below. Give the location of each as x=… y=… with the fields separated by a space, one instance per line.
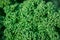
x=32 y=20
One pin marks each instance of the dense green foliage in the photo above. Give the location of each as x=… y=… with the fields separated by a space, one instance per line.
x=29 y=20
